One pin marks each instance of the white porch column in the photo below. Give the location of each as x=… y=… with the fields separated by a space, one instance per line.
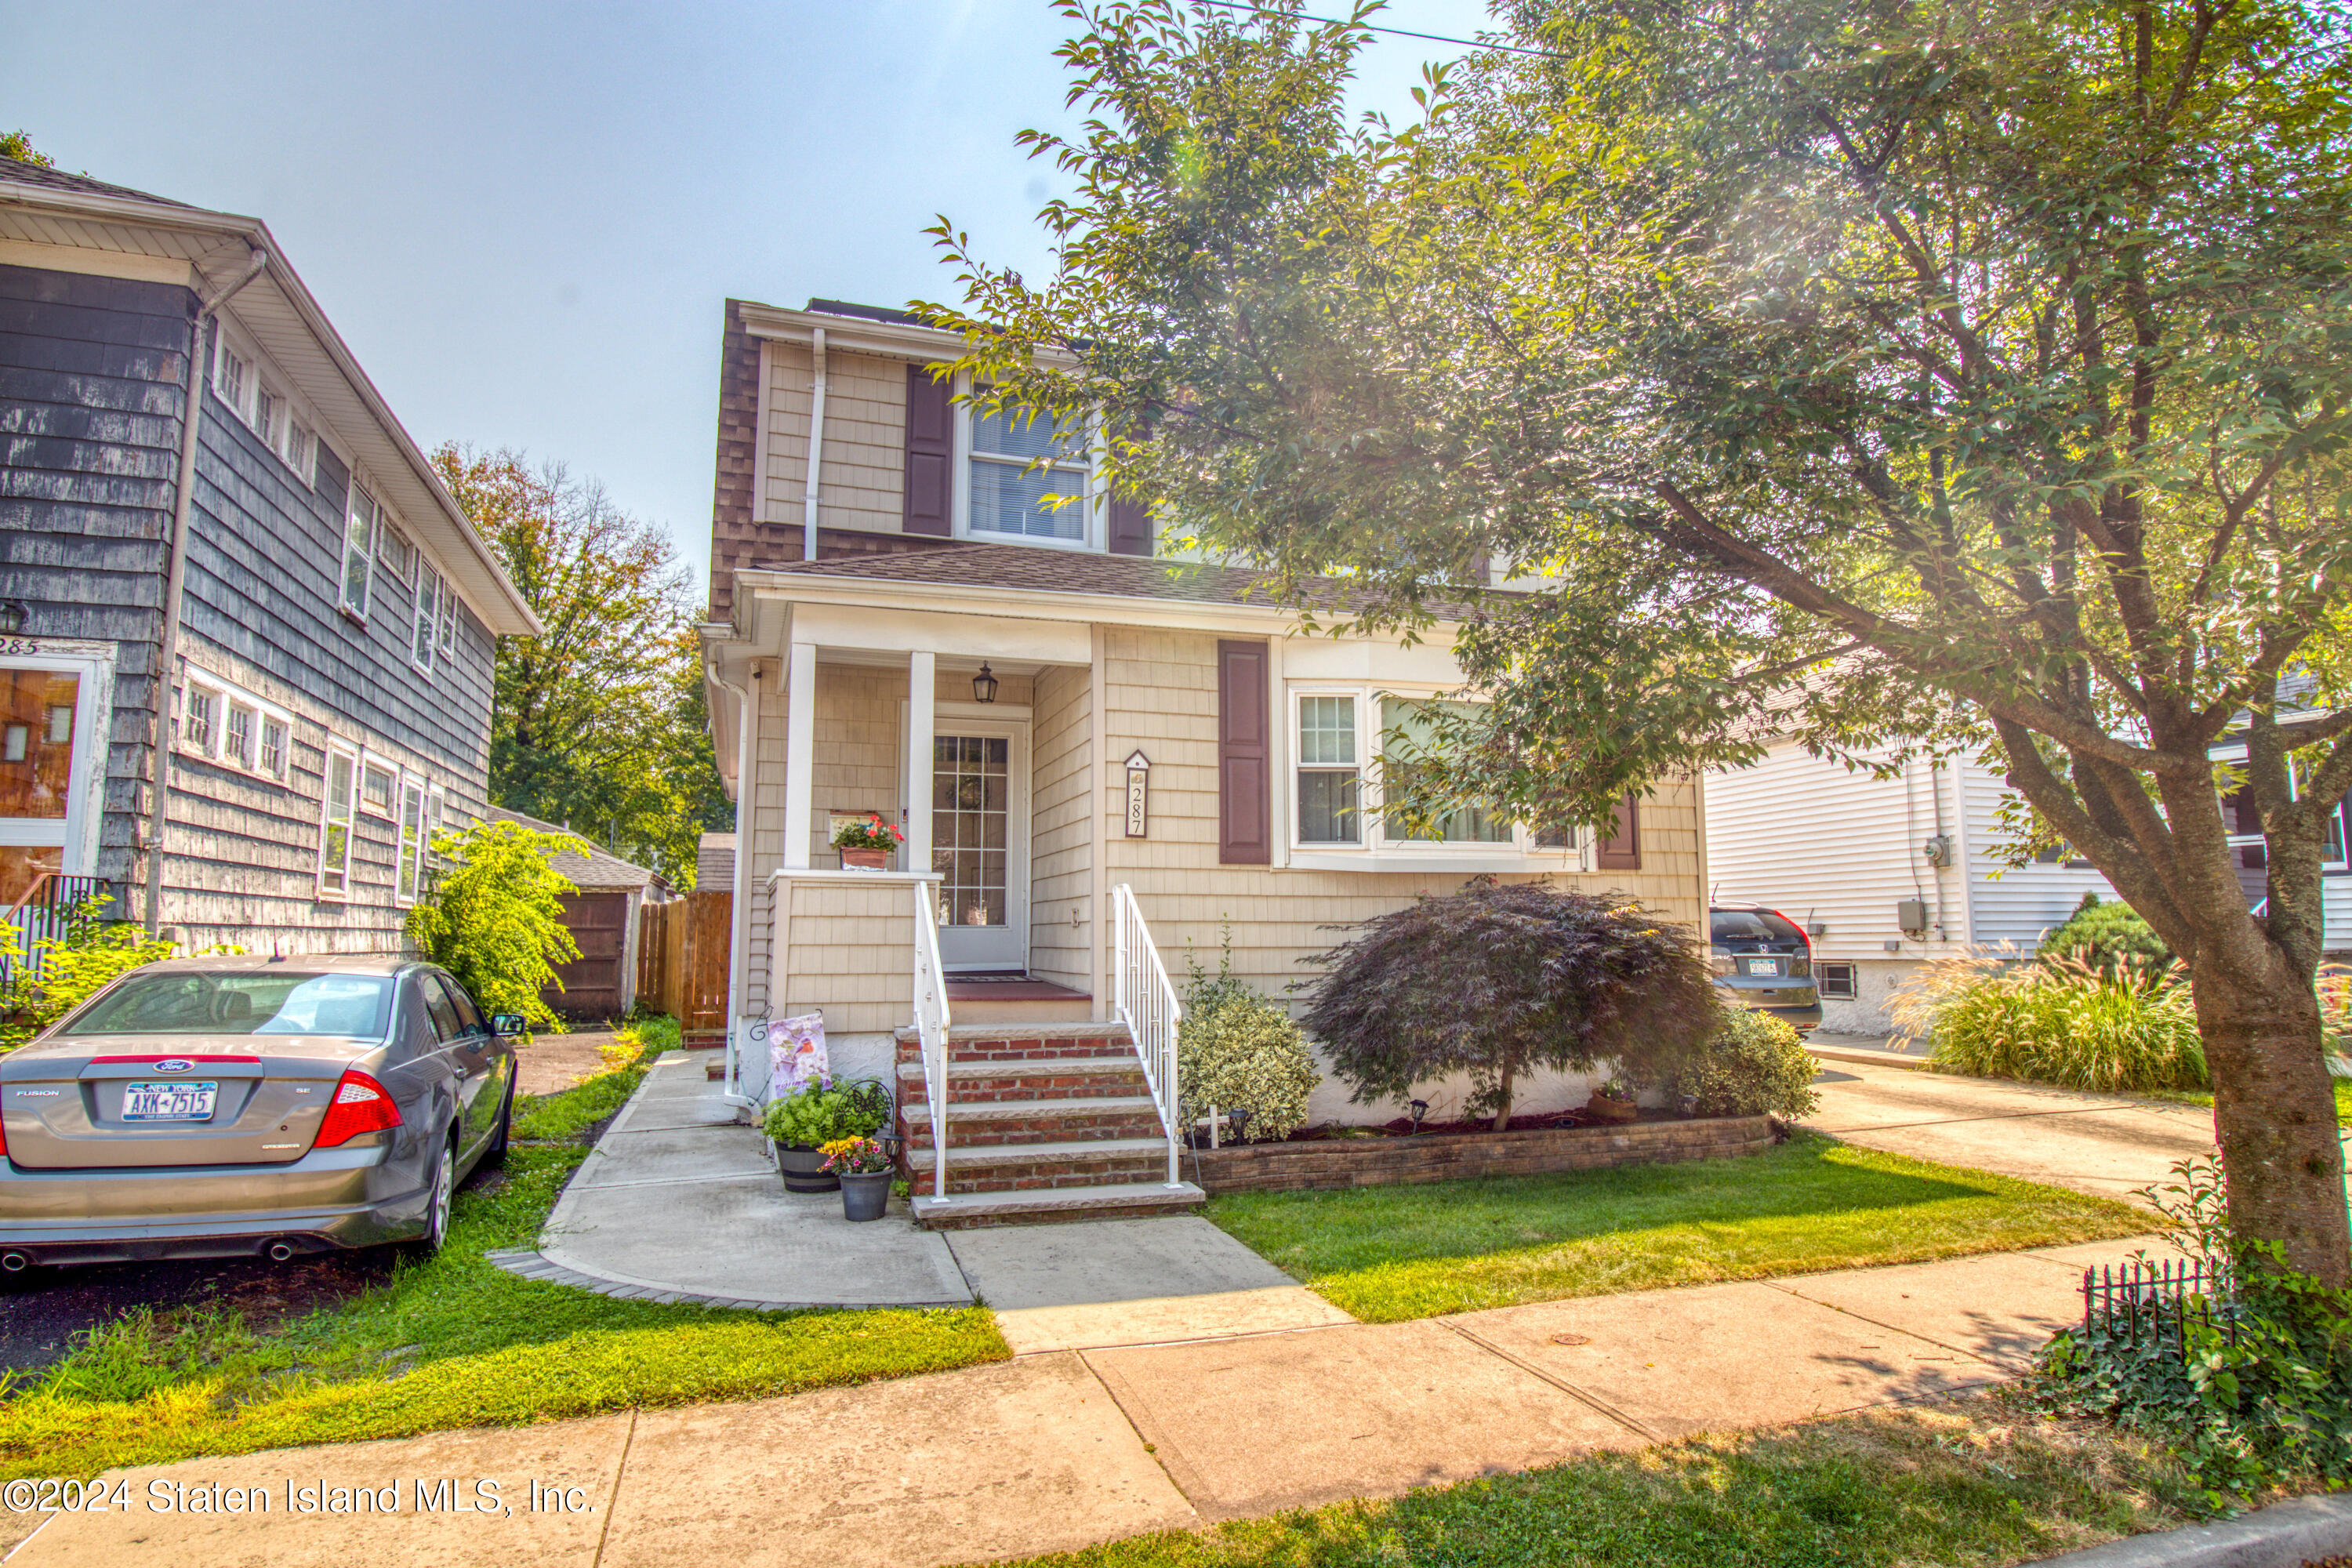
x=799 y=753
x=922 y=681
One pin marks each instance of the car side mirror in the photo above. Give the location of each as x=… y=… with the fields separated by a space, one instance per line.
x=505 y=1024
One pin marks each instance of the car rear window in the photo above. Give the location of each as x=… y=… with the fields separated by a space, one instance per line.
x=1750 y=925
x=230 y=1002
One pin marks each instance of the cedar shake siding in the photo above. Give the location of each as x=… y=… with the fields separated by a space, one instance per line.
x=92 y=382
x=92 y=371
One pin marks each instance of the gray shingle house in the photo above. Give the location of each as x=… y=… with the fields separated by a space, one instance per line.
x=274 y=611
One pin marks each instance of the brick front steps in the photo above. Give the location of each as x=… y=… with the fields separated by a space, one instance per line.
x=1044 y=1121
x=1450 y=1157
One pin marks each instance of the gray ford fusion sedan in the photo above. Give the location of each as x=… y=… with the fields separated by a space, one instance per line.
x=234 y=1107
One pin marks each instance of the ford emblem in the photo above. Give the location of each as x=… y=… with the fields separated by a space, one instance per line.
x=175 y=1064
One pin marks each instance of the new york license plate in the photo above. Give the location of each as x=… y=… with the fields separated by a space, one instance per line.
x=168 y=1101
x=1762 y=966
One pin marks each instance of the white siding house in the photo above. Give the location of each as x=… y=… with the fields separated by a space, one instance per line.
x=1841 y=853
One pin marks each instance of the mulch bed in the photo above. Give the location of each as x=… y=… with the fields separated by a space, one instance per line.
x=1333 y=1131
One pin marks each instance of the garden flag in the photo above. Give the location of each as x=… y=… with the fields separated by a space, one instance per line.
x=796 y=1053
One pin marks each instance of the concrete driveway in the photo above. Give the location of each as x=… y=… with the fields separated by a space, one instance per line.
x=2108 y=1144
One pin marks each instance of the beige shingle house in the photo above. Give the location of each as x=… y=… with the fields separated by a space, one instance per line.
x=1101 y=758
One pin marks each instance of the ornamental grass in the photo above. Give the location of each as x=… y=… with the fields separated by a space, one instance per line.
x=2130 y=1026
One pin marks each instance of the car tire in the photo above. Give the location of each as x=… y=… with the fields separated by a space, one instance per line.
x=496 y=1154
x=437 y=1201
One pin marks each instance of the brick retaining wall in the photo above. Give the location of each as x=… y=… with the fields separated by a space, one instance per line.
x=1447 y=1157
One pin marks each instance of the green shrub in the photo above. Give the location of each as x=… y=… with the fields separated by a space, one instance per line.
x=2064 y=1022
x=73 y=966
x=2249 y=1383
x=495 y=918
x=818 y=1113
x=1496 y=981
x=1244 y=1053
x=1755 y=1065
x=2104 y=935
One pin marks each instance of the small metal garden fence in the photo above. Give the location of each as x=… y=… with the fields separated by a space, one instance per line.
x=2145 y=1304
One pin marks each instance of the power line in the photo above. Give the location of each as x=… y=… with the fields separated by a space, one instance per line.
x=1394 y=32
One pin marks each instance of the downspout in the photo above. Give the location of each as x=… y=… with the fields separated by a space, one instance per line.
x=815 y=448
x=175 y=572
x=739 y=944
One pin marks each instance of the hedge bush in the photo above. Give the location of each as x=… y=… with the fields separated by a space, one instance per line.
x=2104 y=935
x=1238 y=1050
x=1754 y=1065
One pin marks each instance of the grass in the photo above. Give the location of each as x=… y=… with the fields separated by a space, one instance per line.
x=452 y=1341
x=1969 y=1482
x=2205 y=1096
x=1387 y=1254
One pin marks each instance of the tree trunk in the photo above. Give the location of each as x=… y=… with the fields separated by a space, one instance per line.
x=2275 y=1117
x=1508 y=1071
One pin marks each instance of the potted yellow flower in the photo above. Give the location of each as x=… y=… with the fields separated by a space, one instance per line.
x=867 y=845
x=864 y=1173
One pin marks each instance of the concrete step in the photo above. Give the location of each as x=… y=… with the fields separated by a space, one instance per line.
x=1028 y=1078
x=977 y=1123
x=1003 y=1167
x=1118 y=1200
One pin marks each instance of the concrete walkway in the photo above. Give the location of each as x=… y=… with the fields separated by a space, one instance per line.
x=675 y=1170
x=2107 y=1144
x=1062 y=1448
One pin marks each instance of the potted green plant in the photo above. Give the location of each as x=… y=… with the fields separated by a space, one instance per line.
x=867 y=845
x=864 y=1171
x=1612 y=1102
x=801 y=1123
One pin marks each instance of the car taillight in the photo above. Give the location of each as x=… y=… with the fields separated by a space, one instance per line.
x=360 y=1105
x=3 y=1142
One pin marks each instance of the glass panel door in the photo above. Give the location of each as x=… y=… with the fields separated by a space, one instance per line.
x=979 y=835
x=39 y=715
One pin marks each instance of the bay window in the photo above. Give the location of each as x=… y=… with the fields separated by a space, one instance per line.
x=1472 y=824
x=1331 y=770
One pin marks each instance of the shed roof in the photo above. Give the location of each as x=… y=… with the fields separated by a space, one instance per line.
x=593 y=871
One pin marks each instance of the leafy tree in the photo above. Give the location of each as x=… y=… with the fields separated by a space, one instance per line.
x=18 y=144
x=1496 y=981
x=599 y=724
x=1886 y=372
x=495 y=916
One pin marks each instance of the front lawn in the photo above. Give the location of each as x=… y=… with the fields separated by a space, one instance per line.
x=1975 y=1481
x=1387 y=1254
x=452 y=1341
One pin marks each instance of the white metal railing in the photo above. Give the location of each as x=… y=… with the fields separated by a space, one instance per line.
x=1145 y=1000
x=932 y=1022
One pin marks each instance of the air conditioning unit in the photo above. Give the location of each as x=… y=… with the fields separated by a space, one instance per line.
x=1911 y=914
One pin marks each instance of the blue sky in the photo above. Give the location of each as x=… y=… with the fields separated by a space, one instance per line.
x=523 y=219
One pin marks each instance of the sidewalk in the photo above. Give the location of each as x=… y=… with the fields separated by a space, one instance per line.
x=1060 y=1449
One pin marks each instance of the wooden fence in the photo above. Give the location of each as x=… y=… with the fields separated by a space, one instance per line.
x=682 y=958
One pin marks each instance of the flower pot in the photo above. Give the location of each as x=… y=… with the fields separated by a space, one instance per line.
x=802 y=1169
x=866 y=859
x=1603 y=1109
x=865 y=1197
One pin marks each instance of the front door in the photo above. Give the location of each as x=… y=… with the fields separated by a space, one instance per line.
x=980 y=843
x=48 y=759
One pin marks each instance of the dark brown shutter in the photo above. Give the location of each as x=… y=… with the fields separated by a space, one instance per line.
x=1130 y=526
x=1244 y=784
x=930 y=454
x=1620 y=850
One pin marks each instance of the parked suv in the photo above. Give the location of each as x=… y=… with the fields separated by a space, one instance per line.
x=1766 y=961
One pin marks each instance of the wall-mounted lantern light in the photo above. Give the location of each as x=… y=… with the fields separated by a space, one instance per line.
x=984 y=685
x=14 y=614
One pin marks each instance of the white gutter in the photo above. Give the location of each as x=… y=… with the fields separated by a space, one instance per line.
x=176 y=576
x=739 y=934
x=815 y=449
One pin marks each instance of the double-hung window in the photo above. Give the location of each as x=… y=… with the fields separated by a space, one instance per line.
x=1471 y=824
x=273 y=746
x=423 y=636
x=198 y=725
x=1021 y=470
x=449 y=622
x=410 y=873
x=359 y=552
x=378 y=783
x=237 y=733
x=336 y=809
x=1331 y=769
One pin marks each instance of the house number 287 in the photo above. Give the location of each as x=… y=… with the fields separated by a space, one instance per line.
x=1139 y=796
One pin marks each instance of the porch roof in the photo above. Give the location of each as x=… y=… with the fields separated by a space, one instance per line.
x=1030 y=569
